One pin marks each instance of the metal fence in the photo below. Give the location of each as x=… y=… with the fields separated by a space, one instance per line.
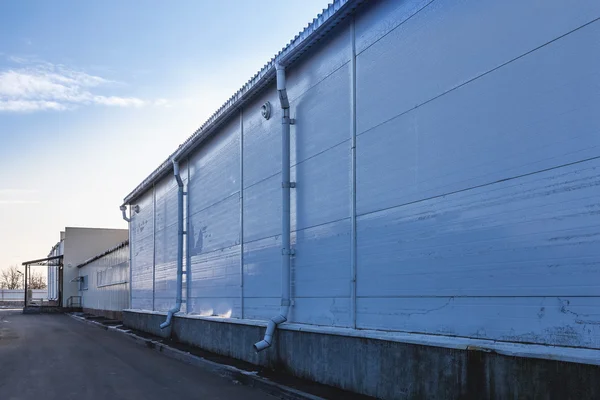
x=18 y=294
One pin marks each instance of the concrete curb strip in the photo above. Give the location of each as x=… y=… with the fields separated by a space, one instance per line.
x=235 y=374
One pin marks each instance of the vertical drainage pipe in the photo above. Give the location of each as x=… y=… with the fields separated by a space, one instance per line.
x=179 y=288
x=123 y=209
x=242 y=213
x=353 y=251
x=188 y=246
x=154 y=247
x=286 y=251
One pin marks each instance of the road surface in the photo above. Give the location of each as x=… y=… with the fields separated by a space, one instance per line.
x=56 y=357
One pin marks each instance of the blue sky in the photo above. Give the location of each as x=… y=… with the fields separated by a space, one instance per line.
x=95 y=94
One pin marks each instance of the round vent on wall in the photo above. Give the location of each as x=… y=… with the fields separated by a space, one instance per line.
x=265 y=110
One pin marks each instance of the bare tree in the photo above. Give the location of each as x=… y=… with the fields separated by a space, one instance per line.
x=37 y=281
x=11 y=278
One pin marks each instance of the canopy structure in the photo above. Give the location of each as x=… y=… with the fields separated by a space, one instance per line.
x=48 y=261
x=54 y=261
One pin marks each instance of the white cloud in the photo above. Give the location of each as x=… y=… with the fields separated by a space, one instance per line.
x=163 y=102
x=45 y=86
x=119 y=101
x=30 y=105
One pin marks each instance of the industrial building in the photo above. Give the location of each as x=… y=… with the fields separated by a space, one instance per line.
x=76 y=245
x=104 y=282
x=403 y=202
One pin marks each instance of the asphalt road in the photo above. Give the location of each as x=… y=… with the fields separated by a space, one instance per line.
x=56 y=357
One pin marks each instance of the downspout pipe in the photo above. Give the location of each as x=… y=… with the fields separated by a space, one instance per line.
x=123 y=209
x=179 y=288
x=286 y=251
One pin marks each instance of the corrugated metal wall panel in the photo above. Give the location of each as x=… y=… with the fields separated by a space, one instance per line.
x=375 y=23
x=262 y=268
x=262 y=307
x=329 y=124
x=262 y=139
x=481 y=221
x=516 y=120
x=447 y=44
x=113 y=292
x=262 y=209
x=165 y=244
x=307 y=78
x=562 y=321
x=215 y=169
x=538 y=235
x=321 y=275
x=215 y=225
x=216 y=282
x=322 y=263
x=142 y=250
x=323 y=188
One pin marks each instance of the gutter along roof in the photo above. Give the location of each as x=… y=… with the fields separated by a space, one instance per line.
x=313 y=33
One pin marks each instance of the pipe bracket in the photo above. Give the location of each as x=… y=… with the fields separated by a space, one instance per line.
x=288 y=184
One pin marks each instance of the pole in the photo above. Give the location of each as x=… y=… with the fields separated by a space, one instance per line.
x=25 y=286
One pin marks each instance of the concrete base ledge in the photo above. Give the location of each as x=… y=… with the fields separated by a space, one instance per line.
x=557 y=353
x=11 y=304
x=392 y=365
x=227 y=371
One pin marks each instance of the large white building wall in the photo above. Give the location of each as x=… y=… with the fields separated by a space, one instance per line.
x=476 y=177
x=81 y=244
x=478 y=170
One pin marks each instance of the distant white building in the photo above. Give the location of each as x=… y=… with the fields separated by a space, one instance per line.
x=75 y=246
x=104 y=282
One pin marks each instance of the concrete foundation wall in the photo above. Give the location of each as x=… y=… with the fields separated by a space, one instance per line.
x=110 y=314
x=11 y=303
x=381 y=368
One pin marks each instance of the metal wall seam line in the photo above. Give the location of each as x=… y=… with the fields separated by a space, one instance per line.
x=241 y=213
x=153 y=246
x=353 y=249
